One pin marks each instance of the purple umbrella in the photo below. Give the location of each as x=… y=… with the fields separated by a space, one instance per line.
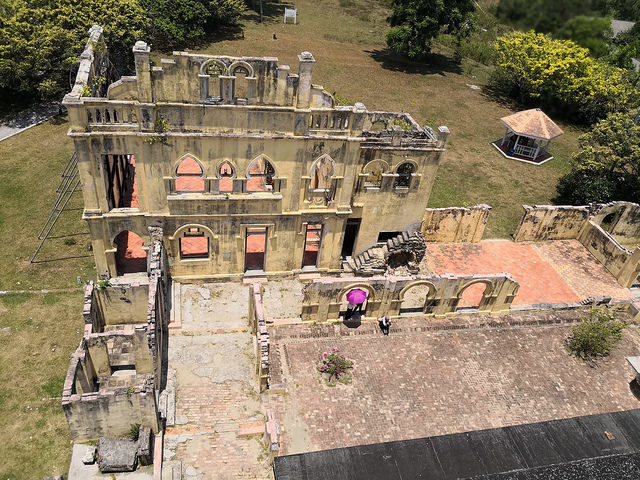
x=356 y=296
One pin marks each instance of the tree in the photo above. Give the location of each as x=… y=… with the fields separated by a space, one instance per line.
x=416 y=22
x=607 y=166
x=559 y=74
x=181 y=22
x=593 y=33
x=40 y=40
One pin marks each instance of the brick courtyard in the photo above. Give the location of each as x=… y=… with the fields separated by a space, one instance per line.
x=548 y=272
x=417 y=384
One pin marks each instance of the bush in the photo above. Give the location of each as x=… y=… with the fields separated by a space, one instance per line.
x=596 y=336
x=559 y=74
x=334 y=365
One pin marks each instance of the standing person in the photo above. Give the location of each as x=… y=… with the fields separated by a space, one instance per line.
x=385 y=324
x=350 y=309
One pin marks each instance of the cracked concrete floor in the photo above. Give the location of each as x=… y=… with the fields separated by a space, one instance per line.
x=211 y=363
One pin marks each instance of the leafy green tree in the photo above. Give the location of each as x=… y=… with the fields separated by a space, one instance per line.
x=547 y=16
x=593 y=33
x=607 y=166
x=40 y=40
x=415 y=23
x=180 y=22
x=559 y=74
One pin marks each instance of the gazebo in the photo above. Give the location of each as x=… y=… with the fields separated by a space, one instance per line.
x=528 y=136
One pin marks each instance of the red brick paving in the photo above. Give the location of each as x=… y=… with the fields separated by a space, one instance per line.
x=580 y=270
x=421 y=384
x=539 y=281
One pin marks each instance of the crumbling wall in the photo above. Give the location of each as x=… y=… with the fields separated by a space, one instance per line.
x=549 y=222
x=123 y=304
x=623 y=264
x=625 y=224
x=110 y=413
x=455 y=224
x=385 y=294
x=259 y=329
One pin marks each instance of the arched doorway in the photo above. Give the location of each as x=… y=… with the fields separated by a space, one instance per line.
x=471 y=296
x=130 y=256
x=416 y=299
x=344 y=303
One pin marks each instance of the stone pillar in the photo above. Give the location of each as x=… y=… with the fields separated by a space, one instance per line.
x=281 y=89
x=226 y=88
x=305 y=68
x=443 y=133
x=143 y=71
x=252 y=90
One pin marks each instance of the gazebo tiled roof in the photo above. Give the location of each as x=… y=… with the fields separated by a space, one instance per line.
x=532 y=123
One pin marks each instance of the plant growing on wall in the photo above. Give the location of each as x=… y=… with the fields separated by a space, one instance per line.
x=596 y=336
x=335 y=367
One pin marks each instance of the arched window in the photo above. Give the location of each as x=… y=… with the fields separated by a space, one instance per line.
x=404 y=172
x=194 y=244
x=321 y=172
x=189 y=176
x=130 y=256
x=214 y=70
x=260 y=175
x=374 y=170
x=226 y=173
x=240 y=85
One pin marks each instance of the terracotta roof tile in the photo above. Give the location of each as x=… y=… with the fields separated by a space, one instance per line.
x=532 y=123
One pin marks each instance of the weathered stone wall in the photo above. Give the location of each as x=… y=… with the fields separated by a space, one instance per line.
x=122 y=304
x=549 y=222
x=625 y=224
x=455 y=224
x=259 y=329
x=324 y=296
x=623 y=264
x=110 y=414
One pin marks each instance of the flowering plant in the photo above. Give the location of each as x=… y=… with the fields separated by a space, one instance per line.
x=334 y=364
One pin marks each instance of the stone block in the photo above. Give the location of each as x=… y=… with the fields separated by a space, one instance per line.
x=145 y=446
x=117 y=455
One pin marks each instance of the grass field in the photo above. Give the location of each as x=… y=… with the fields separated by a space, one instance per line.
x=347 y=40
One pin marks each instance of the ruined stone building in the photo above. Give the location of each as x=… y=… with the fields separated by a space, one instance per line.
x=247 y=167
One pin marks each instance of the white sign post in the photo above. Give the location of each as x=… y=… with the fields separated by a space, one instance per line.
x=291 y=13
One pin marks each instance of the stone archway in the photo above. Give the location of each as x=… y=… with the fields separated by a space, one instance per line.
x=417 y=298
x=473 y=295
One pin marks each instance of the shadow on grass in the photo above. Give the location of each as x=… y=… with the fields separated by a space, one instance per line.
x=431 y=64
x=49 y=260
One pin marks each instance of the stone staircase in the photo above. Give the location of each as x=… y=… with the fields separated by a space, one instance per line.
x=406 y=249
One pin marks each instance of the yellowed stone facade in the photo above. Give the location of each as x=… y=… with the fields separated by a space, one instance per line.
x=227 y=147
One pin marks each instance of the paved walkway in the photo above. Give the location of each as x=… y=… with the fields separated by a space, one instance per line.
x=211 y=364
x=548 y=272
x=418 y=384
x=27 y=119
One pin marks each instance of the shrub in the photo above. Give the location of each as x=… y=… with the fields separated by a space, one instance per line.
x=596 y=336
x=334 y=365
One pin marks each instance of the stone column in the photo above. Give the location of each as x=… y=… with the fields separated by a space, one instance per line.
x=305 y=68
x=143 y=71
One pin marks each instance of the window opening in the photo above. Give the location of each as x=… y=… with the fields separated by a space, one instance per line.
x=241 y=86
x=194 y=244
x=121 y=181
x=214 y=70
x=255 y=248
x=130 y=256
x=374 y=170
x=404 y=172
x=189 y=176
x=261 y=174
x=414 y=300
x=225 y=177
x=313 y=236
